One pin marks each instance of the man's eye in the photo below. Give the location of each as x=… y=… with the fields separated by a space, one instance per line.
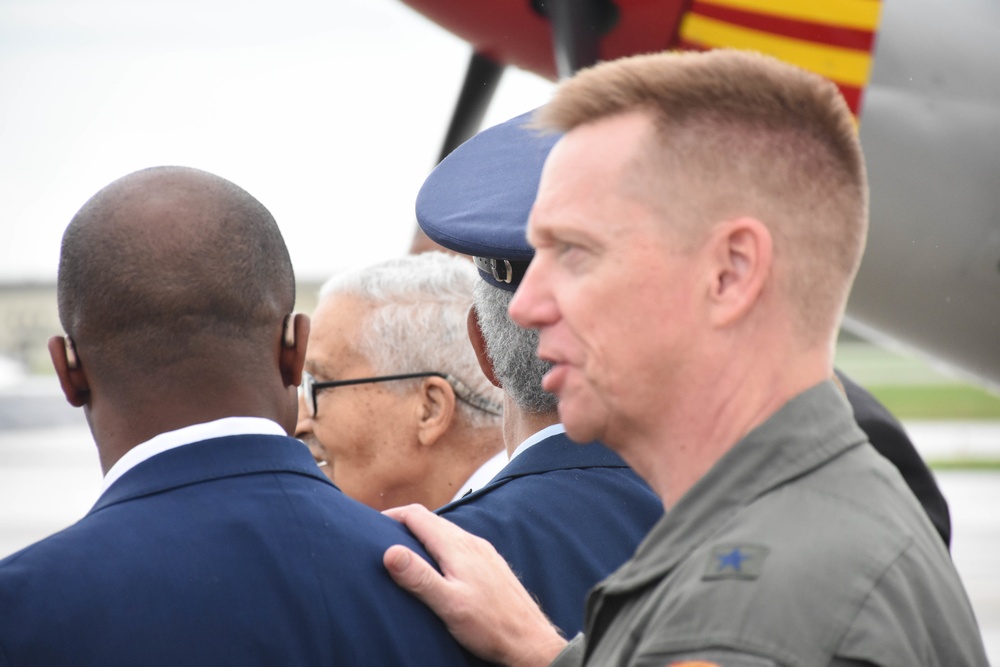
x=566 y=248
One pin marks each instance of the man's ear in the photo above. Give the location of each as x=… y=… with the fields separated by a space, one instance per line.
x=69 y=370
x=479 y=345
x=435 y=409
x=292 y=355
x=741 y=253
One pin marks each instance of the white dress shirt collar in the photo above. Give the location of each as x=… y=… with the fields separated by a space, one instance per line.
x=483 y=474
x=185 y=436
x=546 y=432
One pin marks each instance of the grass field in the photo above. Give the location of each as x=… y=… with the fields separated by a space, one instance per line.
x=912 y=388
x=941 y=401
x=916 y=391
x=960 y=463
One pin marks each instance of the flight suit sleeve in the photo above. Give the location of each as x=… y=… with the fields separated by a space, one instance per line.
x=572 y=655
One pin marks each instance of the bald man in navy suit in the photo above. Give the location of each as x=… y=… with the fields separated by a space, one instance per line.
x=564 y=515
x=217 y=540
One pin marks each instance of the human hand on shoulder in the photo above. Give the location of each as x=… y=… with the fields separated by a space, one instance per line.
x=477 y=595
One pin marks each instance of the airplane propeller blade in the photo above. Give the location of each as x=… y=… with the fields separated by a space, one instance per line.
x=577 y=28
x=482 y=76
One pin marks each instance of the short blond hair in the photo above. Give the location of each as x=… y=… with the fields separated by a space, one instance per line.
x=737 y=133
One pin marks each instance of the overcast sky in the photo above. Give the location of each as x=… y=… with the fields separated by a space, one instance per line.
x=331 y=112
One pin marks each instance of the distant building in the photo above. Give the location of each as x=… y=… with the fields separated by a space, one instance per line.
x=29 y=317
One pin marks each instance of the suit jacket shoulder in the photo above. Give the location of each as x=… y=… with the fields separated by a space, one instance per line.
x=564 y=516
x=233 y=551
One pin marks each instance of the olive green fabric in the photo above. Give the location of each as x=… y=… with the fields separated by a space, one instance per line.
x=800 y=547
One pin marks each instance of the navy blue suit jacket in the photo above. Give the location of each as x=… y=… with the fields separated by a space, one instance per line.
x=230 y=551
x=564 y=516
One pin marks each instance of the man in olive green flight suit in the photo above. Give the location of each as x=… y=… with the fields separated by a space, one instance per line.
x=696 y=234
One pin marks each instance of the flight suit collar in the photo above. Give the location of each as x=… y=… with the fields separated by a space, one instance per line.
x=811 y=429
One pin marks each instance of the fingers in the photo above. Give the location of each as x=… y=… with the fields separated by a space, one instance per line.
x=477 y=595
x=415 y=575
x=398 y=513
x=450 y=546
x=439 y=536
x=415 y=517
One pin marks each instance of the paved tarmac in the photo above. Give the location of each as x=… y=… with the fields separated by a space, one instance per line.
x=50 y=476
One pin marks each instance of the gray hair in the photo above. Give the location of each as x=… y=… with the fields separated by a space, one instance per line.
x=512 y=351
x=418 y=323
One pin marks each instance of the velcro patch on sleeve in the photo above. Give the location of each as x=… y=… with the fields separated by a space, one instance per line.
x=712 y=658
x=735 y=561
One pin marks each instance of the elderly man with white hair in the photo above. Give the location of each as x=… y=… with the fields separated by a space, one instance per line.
x=393 y=404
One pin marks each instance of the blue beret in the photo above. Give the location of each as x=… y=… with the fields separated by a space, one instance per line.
x=477 y=200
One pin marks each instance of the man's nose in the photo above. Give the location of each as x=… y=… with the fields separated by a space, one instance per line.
x=532 y=306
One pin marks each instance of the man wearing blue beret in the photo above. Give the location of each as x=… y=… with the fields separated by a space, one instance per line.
x=563 y=515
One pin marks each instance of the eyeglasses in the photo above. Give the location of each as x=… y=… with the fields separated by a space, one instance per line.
x=310 y=387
